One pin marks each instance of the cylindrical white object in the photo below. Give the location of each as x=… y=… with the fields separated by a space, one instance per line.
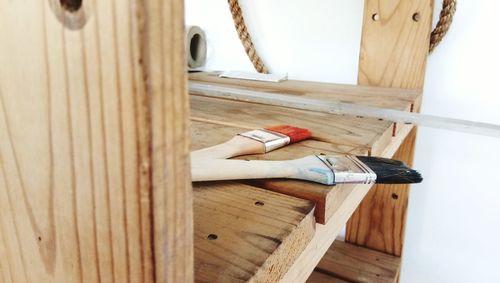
x=196 y=47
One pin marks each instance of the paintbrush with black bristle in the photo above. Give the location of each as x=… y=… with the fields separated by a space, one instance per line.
x=324 y=169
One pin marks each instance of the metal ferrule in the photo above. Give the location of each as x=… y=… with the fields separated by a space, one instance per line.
x=271 y=140
x=349 y=169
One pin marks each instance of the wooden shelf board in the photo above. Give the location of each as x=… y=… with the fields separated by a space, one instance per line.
x=369 y=133
x=358 y=264
x=394 y=98
x=319 y=277
x=236 y=240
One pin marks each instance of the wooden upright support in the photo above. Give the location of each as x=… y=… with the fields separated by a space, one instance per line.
x=394 y=49
x=94 y=170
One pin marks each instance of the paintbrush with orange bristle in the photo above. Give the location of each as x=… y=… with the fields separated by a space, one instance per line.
x=254 y=142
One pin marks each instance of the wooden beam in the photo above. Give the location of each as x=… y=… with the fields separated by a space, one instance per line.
x=394 y=49
x=83 y=133
x=164 y=39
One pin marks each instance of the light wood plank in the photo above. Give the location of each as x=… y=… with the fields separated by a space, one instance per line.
x=398 y=61
x=357 y=264
x=243 y=233
x=169 y=106
x=325 y=235
x=369 y=133
x=326 y=198
x=76 y=160
x=393 y=98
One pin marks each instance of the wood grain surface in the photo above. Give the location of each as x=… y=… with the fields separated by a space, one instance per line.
x=326 y=198
x=397 y=61
x=357 y=264
x=78 y=143
x=243 y=233
x=387 y=97
x=370 y=134
x=319 y=277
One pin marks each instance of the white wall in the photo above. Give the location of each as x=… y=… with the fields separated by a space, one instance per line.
x=453 y=226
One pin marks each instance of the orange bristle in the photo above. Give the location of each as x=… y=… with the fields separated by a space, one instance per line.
x=295 y=134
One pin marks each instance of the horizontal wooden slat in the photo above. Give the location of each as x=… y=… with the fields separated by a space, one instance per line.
x=357 y=264
x=327 y=198
x=245 y=233
x=393 y=98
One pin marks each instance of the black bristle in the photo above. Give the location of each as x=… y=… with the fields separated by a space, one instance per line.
x=390 y=171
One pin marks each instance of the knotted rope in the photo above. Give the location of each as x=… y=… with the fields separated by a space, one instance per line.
x=444 y=23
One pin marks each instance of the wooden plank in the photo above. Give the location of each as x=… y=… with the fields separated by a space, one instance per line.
x=326 y=198
x=379 y=222
x=319 y=277
x=75 y=154
x=371 y=134
x=393 y=98
x=325 y=235
x=243 y=233
x=357 y=264
x=397 y=61
x=169 y=105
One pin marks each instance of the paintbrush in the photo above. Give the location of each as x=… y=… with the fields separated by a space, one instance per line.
x=324 y=169
x=253 y=142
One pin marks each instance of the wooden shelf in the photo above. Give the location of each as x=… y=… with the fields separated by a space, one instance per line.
x=243 y=232
x=319 y=277
x=352 y=263
x=216 y=120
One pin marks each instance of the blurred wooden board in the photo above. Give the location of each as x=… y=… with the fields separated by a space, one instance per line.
x=357 y=264
x=327 y=198
x=385 y=97
x=393 y=98
x=93 y=123
x=319 y=277
x=244 y=233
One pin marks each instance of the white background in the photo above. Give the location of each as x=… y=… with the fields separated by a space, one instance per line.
x=453 y=225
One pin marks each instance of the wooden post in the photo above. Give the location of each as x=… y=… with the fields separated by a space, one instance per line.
x=394 y=49
x=94 y=169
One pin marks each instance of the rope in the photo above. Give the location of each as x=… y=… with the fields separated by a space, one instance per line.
x=245 y=38
x=445 y=19
x=444 y=23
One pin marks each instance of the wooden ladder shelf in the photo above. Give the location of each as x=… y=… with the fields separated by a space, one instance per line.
x=95 y=131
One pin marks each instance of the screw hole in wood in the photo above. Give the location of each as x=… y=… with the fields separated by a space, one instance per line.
x=259 y=203
x=416 y=17
x=73 y=14
x=395 y=196
x=212 y=237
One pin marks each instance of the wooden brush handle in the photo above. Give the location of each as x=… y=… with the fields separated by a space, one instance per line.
x=236 y=146
x=309 y=168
